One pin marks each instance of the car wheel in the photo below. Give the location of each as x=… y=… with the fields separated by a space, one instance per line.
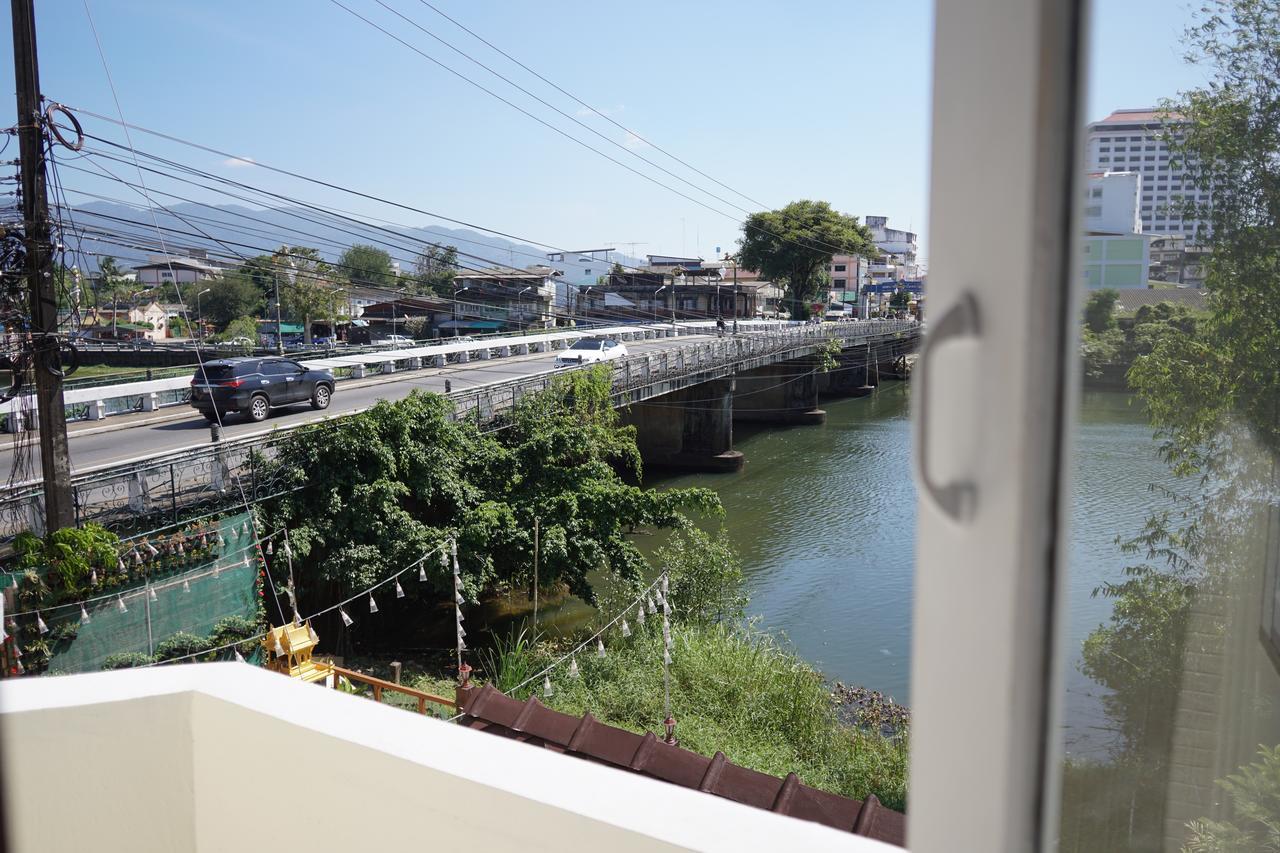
x=259 y=408
x=211 y=417
x=320 y=397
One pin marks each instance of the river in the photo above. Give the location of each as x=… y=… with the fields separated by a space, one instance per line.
x=824 y=519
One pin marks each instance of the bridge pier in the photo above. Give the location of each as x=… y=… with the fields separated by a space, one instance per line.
x=784 y=393
x=690 y=429
x=849 y=378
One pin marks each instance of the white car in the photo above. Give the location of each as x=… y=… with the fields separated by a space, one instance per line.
x=396 y=341
x=591 y=351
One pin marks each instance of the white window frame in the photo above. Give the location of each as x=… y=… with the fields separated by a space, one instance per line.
x=1007 y=147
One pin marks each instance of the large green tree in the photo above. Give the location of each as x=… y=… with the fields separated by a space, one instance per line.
x=368 y=265
x=793 y=247
x=405 y=475
x=234 y=295
x=434 y=269
x=308 y=289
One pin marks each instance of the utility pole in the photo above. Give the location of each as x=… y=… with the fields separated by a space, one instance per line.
x=55 y=456
x=279 y=329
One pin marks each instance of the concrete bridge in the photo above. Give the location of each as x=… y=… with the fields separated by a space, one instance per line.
x=683 y=393
x=686 y=423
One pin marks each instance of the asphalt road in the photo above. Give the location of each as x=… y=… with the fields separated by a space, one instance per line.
x=129 y=437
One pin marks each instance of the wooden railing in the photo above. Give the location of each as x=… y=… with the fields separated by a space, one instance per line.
x=381 y=685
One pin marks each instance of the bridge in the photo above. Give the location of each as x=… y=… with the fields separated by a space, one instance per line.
x=152 y=463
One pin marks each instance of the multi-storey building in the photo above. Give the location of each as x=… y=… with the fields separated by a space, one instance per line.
x=1134 y=140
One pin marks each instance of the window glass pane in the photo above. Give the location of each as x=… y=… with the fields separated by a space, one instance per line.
x=1171 y=705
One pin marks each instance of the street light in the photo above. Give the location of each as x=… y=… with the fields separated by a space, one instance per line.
x=456 y=291
x=655 y=302
x=582 y=297
x=200 y=316
x=518 y=295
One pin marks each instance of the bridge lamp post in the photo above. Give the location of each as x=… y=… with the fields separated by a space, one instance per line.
x=519 y=304
x=655 y=302
x=456 y=291
x=582 y=297
x=200 y=315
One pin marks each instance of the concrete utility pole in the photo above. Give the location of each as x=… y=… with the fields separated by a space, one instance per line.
x=55 y=456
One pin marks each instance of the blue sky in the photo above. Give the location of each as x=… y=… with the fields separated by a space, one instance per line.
x=814 y=99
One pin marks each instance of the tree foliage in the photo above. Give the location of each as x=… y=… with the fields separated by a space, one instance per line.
x=434 y=269
x=1254 y=822
x=368 y=265
x=402 y=477
x=705 y=576
x=308 y=290
x=1099 y=310
x=234 y=295
x=793 y=247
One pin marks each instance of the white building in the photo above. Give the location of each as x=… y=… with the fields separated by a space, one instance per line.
x=177 y=269
x=1112 y=202
x=581 y=267
x=898 y=246
x=1131 y=141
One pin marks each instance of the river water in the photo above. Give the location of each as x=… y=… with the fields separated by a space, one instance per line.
x=824 y=519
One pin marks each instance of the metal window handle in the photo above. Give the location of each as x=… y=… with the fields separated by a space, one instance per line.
x=957 y=499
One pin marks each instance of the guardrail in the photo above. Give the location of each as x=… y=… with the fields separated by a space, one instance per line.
x=150 y=492
x=96 y=402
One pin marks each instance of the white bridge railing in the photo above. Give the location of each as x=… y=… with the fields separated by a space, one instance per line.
x=96 y=403
x=158 y=489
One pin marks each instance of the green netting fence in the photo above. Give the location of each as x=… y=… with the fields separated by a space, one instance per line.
x=142 y=617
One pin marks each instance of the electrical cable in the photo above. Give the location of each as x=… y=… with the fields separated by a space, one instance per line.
x=587 y=106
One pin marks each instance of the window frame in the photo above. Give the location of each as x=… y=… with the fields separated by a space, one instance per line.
x=989 y=567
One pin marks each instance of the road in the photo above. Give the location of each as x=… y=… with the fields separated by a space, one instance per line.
x=129 y=437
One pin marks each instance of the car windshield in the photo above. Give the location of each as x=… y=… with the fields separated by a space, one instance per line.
x=587 y=344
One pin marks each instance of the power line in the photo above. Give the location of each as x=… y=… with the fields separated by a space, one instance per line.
x=574 y=97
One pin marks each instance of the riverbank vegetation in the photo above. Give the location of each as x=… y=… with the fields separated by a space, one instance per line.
x=733 y=689
x=1109 y=346
x=1184 y=623
x=395 y=482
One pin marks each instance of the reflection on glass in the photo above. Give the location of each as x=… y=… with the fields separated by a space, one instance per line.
x=1173 y=730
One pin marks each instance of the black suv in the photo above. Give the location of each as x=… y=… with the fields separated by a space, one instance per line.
x=255 y=386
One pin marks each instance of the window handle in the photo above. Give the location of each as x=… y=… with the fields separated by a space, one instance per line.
x=957 y=499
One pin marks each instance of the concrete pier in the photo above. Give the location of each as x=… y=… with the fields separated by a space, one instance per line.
x=785 y=393
x=689 y=430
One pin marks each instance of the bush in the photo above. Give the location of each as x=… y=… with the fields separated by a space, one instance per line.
x=181 y=645
x=706 y=576
x=127 y=660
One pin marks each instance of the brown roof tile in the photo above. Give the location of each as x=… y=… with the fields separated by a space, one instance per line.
x=488 y=709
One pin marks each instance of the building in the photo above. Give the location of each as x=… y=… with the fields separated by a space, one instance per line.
x=1176 y=262
x=1132 y=140
x=1115 y=260
x=177 y=269
x=497 y=299
x=848 y=274
x=897 y=246
x=149 y=321
x=582 y=267
x=1112 y=202
x=659 y=297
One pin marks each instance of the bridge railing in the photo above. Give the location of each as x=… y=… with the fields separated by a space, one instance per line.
x=140 y=495
x=94 y=401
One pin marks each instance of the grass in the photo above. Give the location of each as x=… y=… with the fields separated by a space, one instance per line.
x=733 y=691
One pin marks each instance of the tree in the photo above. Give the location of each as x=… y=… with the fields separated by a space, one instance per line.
x=1226 y=142
x=234 y=295
x=368 y=265
x=241 y=327
x=900 y=299
x=434 y=269
x=307 y=288
x=706 y=576
x=405 y=475
x=793 y=247
x=1099 y=310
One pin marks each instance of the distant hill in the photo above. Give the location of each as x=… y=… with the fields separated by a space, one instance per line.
x=233 y=232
